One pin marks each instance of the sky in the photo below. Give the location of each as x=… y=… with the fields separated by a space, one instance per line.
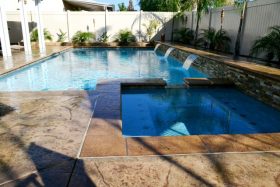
x=116 y=2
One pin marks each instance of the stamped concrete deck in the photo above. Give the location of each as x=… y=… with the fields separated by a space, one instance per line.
x=74 y=139
x=41 y=134
x=228 y=169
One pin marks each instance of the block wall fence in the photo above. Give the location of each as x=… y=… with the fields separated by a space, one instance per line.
x=97 y=22
x=260 y=15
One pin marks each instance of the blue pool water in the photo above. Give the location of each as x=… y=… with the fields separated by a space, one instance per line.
x=195 y=111
x=82 y=68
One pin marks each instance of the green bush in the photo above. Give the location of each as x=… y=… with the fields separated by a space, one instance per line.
x=184 y=35
x=103 y=38
x=151 y=28
x=83 y=37
x=61 y=36
x=269 y=44
x=124 y=37
x=122 y=7
x=34 y=35
x=215 y=40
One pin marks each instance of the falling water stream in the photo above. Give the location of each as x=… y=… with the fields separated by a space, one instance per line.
x=169 y=50
x=189 y=60
x=156 y=47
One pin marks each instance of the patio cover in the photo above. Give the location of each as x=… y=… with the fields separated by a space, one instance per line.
x=89 y=5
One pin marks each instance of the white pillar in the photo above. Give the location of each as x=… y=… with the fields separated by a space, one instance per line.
x=40 y=27
x=4 y=34
x=68 y=27
x=106 y=19
x=25 y=28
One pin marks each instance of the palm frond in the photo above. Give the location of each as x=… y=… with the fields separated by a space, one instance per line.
x=184 y=35
x=215 y=40
x=268 y=44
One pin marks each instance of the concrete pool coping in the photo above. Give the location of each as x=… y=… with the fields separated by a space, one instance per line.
x=22 y=60
x=104 y=136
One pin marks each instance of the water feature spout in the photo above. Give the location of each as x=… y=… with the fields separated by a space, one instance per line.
x=189 y=60
x=167 y=53
x=156 y=47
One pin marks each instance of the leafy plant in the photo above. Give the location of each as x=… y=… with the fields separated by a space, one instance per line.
x=203 y=6
x=61 y=36
x=125 y=37
x=122 y=7
x=34 y=35
x=184 y=35
x=104 y=37
x=269 y=44
x=215 y=40
x=83 y=37
x=159 y=5
x=151 y=28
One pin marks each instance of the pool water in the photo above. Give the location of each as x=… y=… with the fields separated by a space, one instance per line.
x=80 y=69
x=195 y=111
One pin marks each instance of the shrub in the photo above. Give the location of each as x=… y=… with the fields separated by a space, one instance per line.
x=151 y=28
x=215 y=40
x=103 y=38
x=269 y=44
x=122 y=7
x=61 y=36
x=83 y=37
x=184 y=35
x=34 y=35
x=124 y=37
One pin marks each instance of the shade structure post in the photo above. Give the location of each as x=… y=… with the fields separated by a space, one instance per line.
x=40 y=27
x=25 y=28
x=106 y=12
x=4 y=34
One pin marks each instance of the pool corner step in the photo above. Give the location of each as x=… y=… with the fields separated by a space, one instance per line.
x=189 y=82
x=143 y=82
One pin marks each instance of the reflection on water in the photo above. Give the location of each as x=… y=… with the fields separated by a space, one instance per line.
x=8 y=62
x=175 y=112
x=81 y=69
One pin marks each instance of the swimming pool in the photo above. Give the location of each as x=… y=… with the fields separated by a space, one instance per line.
x=195 y=111
x=80 y=69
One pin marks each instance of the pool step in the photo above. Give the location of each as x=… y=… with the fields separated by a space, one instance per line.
x=143 y=82
x=207 y=82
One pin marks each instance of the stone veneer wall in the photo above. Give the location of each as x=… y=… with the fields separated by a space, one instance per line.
x=262 y=87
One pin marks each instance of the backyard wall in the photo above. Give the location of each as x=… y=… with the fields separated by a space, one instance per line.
x=97 y=22
x=264 y=87
x=261 y=15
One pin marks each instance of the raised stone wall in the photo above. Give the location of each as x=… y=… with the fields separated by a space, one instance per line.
x=264 y=88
